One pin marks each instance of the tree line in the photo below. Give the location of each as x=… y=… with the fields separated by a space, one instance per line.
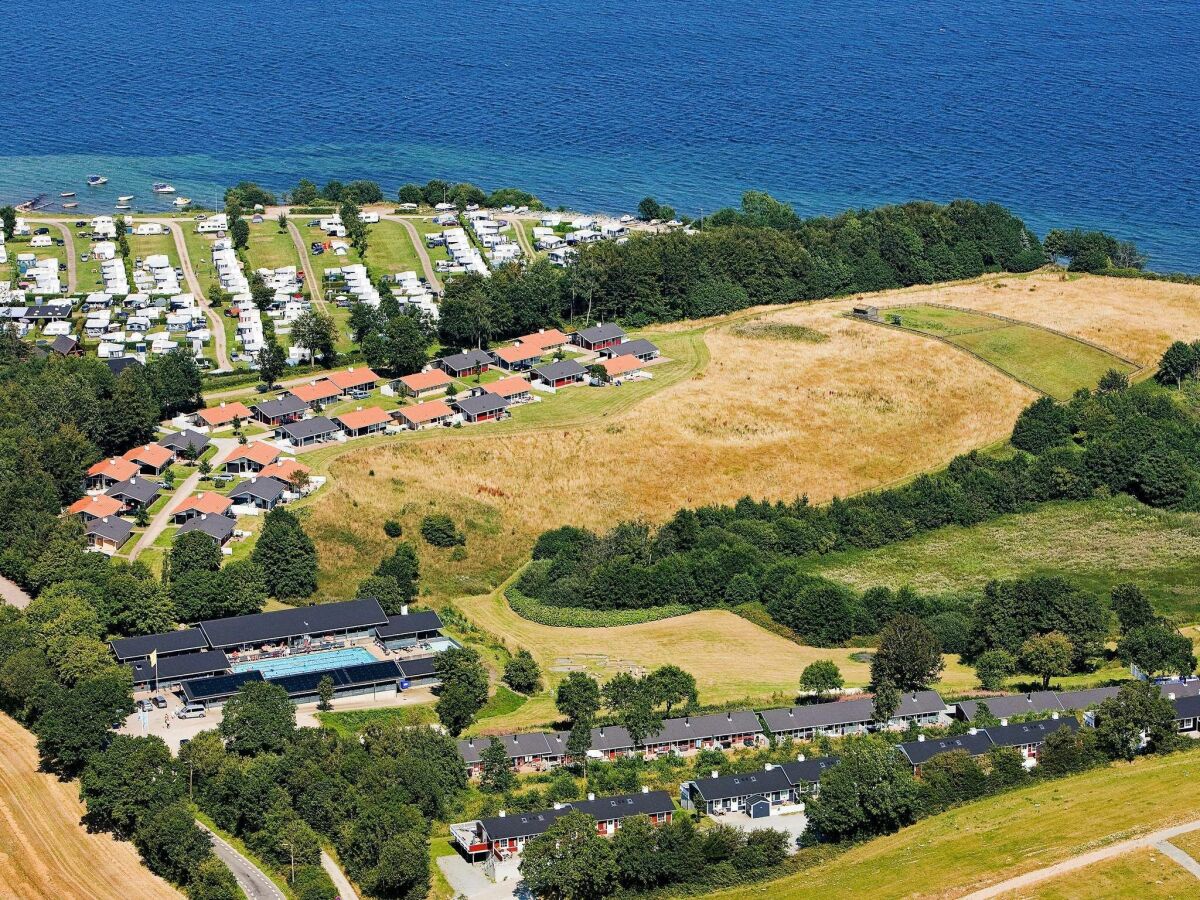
x=761 y=253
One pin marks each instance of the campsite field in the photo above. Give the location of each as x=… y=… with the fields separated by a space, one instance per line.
x=269 y=248
x=152 y=244
x=44 y=851
x=1050 y=362
x=994 y=839
x=390 y=250
x=199 y=248
x=729 y=415
x=1097 y=544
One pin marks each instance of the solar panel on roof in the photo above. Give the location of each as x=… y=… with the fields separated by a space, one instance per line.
x=219 y=685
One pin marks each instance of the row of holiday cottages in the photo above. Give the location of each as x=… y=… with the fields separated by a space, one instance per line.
x=539 y=751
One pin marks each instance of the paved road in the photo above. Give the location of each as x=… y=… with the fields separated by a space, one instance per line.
x=159 y=523
x=12 y=593
x=423 y=254
x=254 y=884
x=315 y=289
x=189 y=273
x=344 y=888
x=1074 y=864
x=72 y=259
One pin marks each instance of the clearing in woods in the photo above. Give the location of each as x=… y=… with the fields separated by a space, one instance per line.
x=44 y=851
x=955 y=852
x=1052 y=363
x=1096 y=544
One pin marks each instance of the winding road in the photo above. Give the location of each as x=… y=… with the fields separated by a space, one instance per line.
x=1076 y=863
x=254 y=884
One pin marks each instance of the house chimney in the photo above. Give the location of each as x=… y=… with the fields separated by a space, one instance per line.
x=729 y=717
x=1004 y=721
x=687 y=721
x=1171 y=695
x=645 y=790
x=470 y=742
x=799 y=757
x=222 y=404
x=591 y=796
x=920 y=738
x=769 y=767
x=972 y=731
x=1054 y=715
x=203 y=516
x=502 y=814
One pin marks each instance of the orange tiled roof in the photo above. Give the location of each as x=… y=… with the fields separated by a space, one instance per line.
x=206 y=502
x=518 y=354
x=226 y=412
x=352 y=378
x=364 y=418
x=315 y=391
x=151 y=455
x=115 y=468
x=423 y=381
x=508 y=387
x=619 y=365
x=551 y=337
x=283 y=470
x=98 y=506
x=255 y=451
x=425 y=412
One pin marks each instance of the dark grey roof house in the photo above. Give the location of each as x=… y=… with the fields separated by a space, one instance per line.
x=640 y=348
x=481 y=407
x=316 y=430
x=522 y=749
x=689 y=732
x=598 y=336
x=467 y=363
x=180 y=440
x=219 y=528
x=560 y=373
x=64 y=345
x=841 y=717
x=108 y=531
x=120 y=364
x=179 y=667
x=409 y=628
x=184 y=640
x=134 y=491
x=1028 y=735
x=920 y=751
x=1008 y=706
x=349 y=616
x=283 y=409
x=263 y=493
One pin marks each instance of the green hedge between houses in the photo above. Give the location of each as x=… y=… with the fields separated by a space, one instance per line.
x=578 y=617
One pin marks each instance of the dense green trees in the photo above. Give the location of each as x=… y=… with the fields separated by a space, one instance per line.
x=521 y=673
x=259 y=718
x=394 y=583
x=570 y=861
x=578 y=697
x=870 y=791
x=317 y=332
x=286 y=555
x=464 y=687
x=247 y=195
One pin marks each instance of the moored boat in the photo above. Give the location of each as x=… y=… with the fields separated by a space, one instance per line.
x=182 y=201
x=125 y=199
x=96 y=180
x=71 y=205
x=67 y=194
x=123 y=206
x=161 y=187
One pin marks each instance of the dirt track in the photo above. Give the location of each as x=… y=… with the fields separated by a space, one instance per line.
x=44 y=851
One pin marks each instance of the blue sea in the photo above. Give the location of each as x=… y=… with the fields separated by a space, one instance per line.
x=1071 y=112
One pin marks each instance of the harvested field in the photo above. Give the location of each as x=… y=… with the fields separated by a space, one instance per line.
x=765 y=418
x=44 y=850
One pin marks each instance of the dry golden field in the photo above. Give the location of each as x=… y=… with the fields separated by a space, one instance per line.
x=44 y=851
x=766 y=417
x=1136 y=319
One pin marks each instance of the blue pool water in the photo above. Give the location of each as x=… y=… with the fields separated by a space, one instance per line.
x=309 y=662
x=1072 y=112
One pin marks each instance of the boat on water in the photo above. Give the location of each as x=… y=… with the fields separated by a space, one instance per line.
x=67 y=194
x=125 y=199
x=71 y=205
x=161 y=187
x=182 y=201
x=96 y=180
x=123 y=206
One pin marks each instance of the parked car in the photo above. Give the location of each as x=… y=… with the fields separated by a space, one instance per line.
x=42 y=231
x=82 y=223
x=59 y=242
x=318 y=250
x=159 y=700
x=143 y=706
x=191 y=711
x=315 y=223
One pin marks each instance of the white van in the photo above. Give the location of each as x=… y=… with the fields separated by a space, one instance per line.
x=191 y=711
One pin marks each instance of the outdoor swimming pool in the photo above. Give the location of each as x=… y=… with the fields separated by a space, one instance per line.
x=308 y=662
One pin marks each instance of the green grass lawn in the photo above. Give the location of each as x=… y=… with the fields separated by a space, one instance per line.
x=352 y=722
x=269 y=248
x=152 y=245
x=1051 y=363
x=390 y=250
x=1000 y=837
x=1142 y=874
x=199 y=247
x=1096 y=544
x=425 y=227
x=502 y=703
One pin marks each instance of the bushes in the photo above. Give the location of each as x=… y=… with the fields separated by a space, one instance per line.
x=578 y=617
x=440 y=531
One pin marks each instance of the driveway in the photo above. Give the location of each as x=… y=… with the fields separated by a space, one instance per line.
x=794 y=823
x=469 y=881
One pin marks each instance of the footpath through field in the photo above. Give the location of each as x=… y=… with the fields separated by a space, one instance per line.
x=315 y=289
x=1021 y=882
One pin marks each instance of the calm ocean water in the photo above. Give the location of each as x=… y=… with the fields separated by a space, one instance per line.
x=1071 y=112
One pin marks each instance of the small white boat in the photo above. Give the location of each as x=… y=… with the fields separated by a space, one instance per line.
x=125 y=199
x=182 y=201
x=67 y=194
x=96 y=180
x=70 y=205
x=123 y=206
x=161 y=187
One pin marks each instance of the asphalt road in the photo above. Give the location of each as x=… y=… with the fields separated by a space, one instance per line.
x=254 y=884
